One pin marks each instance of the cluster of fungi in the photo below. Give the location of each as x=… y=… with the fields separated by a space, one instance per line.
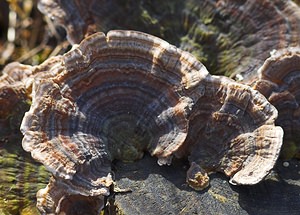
x=117 y=95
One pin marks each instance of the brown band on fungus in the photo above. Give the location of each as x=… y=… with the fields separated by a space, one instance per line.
x=255 y=28
x=14 y=100
x=17 y=167
x=15 y=94
x=278 y=80
x=230 y=37
x=67 y=202
x=231 y=130
x=116 y=96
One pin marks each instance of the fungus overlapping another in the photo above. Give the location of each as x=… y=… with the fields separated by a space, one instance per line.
x=230 y=37
x=119 y=95
x=279 y=81
x=15 y=94
x=114 y=98
x=17 y=168
x=13 y=100
x=231 y=130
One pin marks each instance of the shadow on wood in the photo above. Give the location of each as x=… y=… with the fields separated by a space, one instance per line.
x=163 y=190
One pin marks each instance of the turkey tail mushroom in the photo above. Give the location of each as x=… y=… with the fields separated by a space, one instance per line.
x=20 y=175
x=115 y=97
x=251 y=30
x=15 y=95
x=231 y=130
x=119 y=95
x=230 y=37
x=13 y=100
x=279 y=81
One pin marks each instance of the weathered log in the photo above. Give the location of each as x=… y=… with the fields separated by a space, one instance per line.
x=163 y=190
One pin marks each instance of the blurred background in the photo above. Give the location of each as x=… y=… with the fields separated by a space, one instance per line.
x=25 y=35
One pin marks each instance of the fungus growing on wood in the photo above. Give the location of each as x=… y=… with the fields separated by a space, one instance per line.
x=117 y=96
x=279 y=81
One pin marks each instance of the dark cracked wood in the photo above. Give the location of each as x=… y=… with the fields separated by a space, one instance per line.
x=162 y=190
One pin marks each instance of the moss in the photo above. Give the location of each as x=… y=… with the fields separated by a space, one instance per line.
x=3 y=211
x=126 y=141
x=289 y=149
x=195 y=48
x=145 y=16
x=219 y=197
x=30 y=210
x=20 y=179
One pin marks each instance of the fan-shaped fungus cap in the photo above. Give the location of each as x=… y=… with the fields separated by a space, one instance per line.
x=75 y=204
x=13 y=100
x=15 y=94
x=232 y=37
x=23 y=75
x=76 y=16
x=279 y=81
x=251 y=29
x=231 y=130
x=114 y=97
x=12 y=88
x=16 y=169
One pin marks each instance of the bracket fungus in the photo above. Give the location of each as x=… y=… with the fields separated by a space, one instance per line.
x=114 y=98
x=15 y=94
x=278 y=80
x=76 y=16
x=231 y=130
x=250 y=30
x=119 y=95
x=230 y=37
x=13 y=100
x=20 y=175
x=235 y=37
x=81 y=18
